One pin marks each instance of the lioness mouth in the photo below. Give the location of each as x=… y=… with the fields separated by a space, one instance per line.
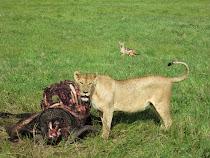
x=85 y=98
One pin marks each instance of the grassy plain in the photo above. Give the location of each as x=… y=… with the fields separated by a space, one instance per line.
x=43 y=42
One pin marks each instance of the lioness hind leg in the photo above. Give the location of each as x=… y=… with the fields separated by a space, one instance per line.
x=154 y=109
x=163 y=112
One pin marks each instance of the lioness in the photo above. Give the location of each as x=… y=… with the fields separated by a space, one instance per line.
x=108 y=95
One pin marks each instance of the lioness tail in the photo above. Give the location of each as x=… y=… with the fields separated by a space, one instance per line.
x=178 y=79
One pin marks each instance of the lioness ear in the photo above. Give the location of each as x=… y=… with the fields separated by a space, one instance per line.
x=95 y=75
x=77 y=75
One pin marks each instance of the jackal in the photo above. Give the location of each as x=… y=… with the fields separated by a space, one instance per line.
x=128 y=51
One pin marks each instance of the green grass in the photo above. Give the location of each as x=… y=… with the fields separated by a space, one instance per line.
x=43 y=42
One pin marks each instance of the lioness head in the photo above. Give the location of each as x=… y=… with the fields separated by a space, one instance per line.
x=86 y=84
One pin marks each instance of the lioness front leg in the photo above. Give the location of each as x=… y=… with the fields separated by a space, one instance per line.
x=106 y=118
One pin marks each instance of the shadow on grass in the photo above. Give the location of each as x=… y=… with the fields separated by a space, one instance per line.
x=129 y=118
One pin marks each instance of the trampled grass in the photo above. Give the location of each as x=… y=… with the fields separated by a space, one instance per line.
x=43 y=42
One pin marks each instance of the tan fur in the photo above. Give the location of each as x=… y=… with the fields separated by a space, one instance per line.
x=131 y=95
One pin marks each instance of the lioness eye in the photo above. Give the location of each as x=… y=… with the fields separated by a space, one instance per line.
x=81 y=83
x=90 y=84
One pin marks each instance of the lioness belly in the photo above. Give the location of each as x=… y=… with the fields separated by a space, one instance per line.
x=130 y=107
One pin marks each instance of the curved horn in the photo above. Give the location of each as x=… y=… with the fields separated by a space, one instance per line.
x=85 y=128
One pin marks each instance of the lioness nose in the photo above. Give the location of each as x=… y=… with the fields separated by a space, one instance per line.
x=85 y=92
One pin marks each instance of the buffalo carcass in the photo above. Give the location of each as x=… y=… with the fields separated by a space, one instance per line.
x=64 y=116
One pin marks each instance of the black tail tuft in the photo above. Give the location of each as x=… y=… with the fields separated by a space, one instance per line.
x=171 y=63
